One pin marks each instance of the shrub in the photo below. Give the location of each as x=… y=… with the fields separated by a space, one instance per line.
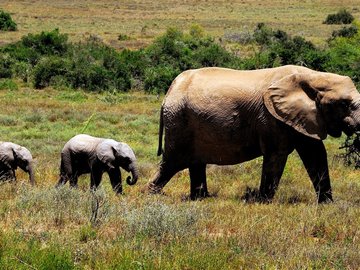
x=341 y=17
x=344 y=57
x=21 y=53
x=6 y=22
x=347 y=32
x=263 y=35
x=278 y=48
x=241 y=37
x=158 y=79
x=22 y=70
x=47 y=43
x=34 y=46
x=6 y=63
x=47 y=69
x=213 y=55
x=175 y=52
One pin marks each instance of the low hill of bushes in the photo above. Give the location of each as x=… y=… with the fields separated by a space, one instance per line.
x=49 y=59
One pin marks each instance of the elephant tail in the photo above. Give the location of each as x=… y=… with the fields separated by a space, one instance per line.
x=161 y=128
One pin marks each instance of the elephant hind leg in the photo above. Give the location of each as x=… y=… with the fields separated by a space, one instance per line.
x=66 y=171
x=198 y=186
x=166 y=171
x=62 y=180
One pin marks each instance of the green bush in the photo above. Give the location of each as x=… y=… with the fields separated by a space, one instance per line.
x=176 y=51
x=344 y=57
x=212 y=56
x=34 y=46
x=6 y=22
x=47 y=69
x=158 y=79
x=347 y=32
x=341 y=17
x=96 y=67
x=90 y=65
x=6 y=63
x=47 y=43
x=48 y=59
x=278 y=48
x=263 y=35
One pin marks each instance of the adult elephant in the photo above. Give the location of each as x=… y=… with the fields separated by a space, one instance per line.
x=86 y=154
x=223 y=116
x=13 y=156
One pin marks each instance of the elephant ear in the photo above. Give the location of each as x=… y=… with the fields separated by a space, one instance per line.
x=293 y=100
x=105 y=153
x=21 y=153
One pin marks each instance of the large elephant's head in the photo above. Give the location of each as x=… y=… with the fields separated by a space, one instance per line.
x=24 y=160
x=115 y=154
x=315 y=104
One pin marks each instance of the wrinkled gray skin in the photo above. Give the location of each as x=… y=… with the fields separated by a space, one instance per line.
x=13 y=156
x=224 y=117
x=86 y=154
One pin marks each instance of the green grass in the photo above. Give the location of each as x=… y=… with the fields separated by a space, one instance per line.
x=47 y=228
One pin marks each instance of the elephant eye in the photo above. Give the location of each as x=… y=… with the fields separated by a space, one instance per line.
x=345 y=104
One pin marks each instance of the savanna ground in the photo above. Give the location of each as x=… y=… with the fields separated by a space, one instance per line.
x=47 y=228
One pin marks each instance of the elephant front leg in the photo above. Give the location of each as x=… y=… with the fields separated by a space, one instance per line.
x=273 y=168
x=95 y=178
x=115 y=179
x=313 y=154
x=198 y=186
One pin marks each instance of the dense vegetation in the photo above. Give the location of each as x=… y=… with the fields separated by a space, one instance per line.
x=6 y=22
x=341 y=17
x=49 y=59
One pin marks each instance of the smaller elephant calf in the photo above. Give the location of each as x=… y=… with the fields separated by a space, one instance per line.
x=86 y=154
x=13 y=156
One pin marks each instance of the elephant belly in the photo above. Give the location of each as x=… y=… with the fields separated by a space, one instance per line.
x=80 y=163
x=224 y=144
x=194 y=134
x=225 y=152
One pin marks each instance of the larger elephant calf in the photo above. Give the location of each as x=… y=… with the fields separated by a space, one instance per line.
x=86 y=154
x=223 y=116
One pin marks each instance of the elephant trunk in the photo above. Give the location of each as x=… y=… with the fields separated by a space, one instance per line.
x=135 y=175
x=31 y=172
x=352 y=121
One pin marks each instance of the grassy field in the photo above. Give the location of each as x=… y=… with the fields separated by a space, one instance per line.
x=143 y=20
x=46 y=228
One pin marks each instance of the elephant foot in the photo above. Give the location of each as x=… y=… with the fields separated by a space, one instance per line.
x=199 y=194
x=255 y=196
x=325 y=198
x=154 y=189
